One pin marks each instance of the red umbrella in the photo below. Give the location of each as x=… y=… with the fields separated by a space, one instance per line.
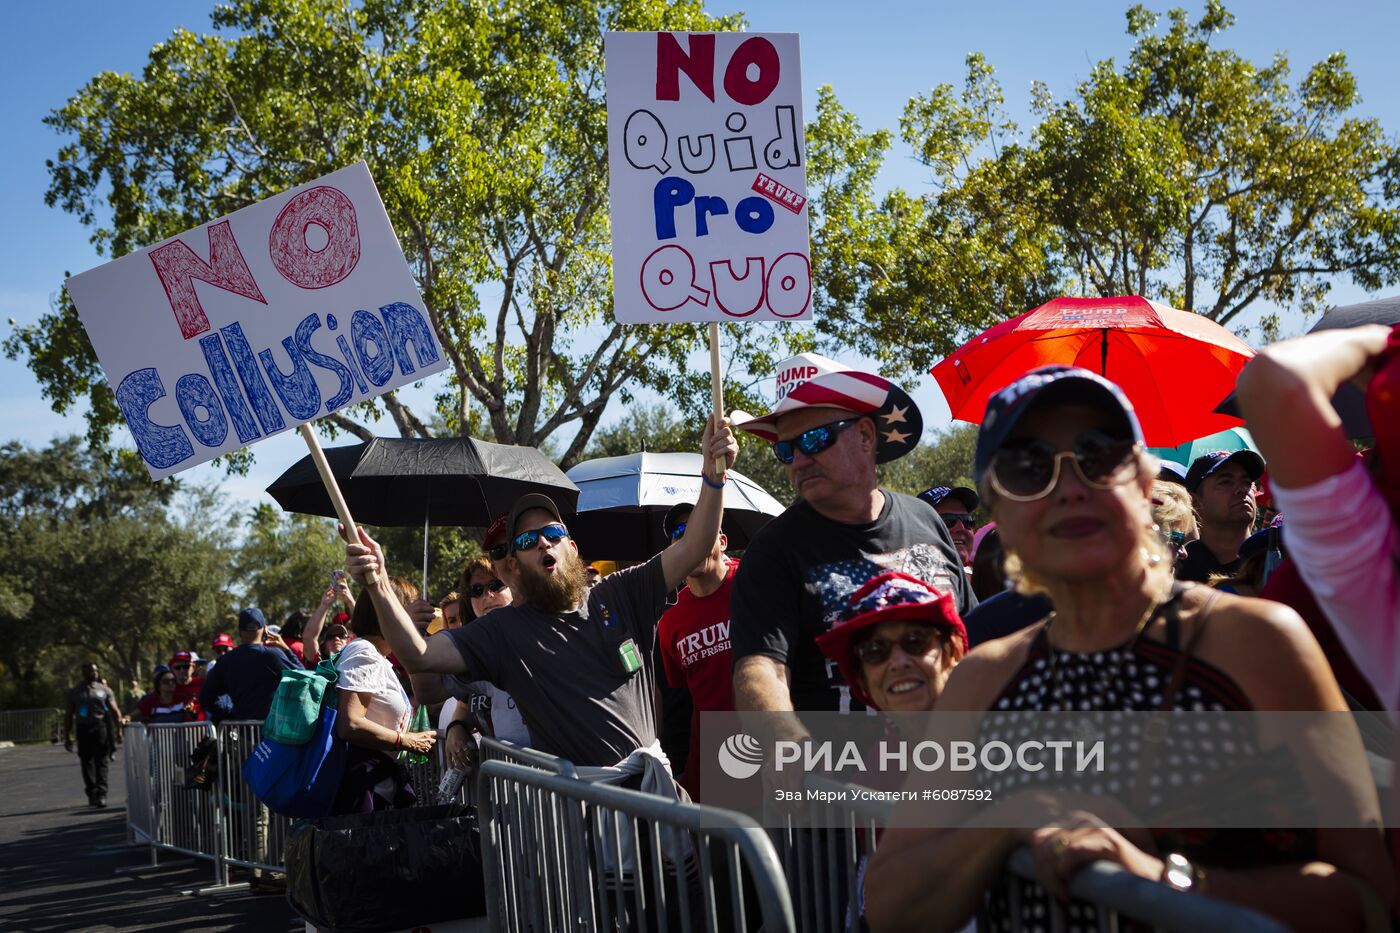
x=1174 y=365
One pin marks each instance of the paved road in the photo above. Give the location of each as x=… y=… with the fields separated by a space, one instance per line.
x=59 y=860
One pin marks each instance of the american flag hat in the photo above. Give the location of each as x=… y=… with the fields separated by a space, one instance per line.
x=810 y=380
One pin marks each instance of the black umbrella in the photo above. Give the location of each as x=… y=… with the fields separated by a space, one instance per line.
x=1350 y=401
x=396 y=481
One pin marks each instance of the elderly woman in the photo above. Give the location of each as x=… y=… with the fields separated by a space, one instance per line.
x=374 y=717
x=1174 y=516
x=896 y=643
x=1061 y=464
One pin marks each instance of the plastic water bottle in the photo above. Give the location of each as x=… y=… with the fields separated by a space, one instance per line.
x=450 y=784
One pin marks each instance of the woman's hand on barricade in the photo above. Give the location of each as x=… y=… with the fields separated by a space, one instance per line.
x=419 y=741
x=1060 y=851
x=364 y=558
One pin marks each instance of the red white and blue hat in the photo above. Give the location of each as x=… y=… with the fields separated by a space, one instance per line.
x=810 y=380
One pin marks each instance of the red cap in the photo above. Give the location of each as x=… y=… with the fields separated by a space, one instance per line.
x=183 y=656
x=341 y=618
x=223 y=641
x=496 y=532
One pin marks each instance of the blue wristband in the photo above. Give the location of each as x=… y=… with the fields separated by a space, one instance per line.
x=711 y=483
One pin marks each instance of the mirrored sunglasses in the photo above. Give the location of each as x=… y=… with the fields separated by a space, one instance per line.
x=959 y=518
x=811 y=442
x=554 y=532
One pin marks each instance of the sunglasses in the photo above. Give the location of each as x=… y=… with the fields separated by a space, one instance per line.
x=179 y=667
x=813 y=441
x=914 y=642
x=554 y=532
x=478 y=590
x=959 y=518
x=498 y=551
x=166 y=682
x=679 y=532
x=1027 y=471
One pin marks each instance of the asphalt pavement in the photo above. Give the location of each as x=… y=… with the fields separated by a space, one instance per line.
x=66 y=866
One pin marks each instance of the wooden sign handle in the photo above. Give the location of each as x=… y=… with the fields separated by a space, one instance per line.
x=318 y=457
x=716 y=386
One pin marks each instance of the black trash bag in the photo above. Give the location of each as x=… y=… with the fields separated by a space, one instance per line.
x=388 y=870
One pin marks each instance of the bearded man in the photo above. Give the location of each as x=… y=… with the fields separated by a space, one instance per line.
x=580 y=662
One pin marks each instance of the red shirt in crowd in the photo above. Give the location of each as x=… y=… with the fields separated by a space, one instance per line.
x=694 y=639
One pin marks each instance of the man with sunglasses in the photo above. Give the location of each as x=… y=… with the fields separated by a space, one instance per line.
x=694 y=637
x=957 y=506
x=187 y=686
x=580 y=663
x=1222 y=490
x=830 y=428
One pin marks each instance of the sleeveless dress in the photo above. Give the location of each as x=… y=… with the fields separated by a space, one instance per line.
x=1130 y=678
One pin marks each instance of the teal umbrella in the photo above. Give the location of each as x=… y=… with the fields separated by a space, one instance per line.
x=1231 y=439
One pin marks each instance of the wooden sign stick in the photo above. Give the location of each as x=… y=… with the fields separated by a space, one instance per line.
x=342 y=510
x=716 y=385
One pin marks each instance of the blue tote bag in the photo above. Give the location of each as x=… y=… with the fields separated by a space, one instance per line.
x=299 y=781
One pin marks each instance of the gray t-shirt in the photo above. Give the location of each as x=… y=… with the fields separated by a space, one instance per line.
x=567 y=672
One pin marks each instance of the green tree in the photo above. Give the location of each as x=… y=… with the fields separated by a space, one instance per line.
x=942 y=459
x=1188 y=174
x=286 y=560
x=484 y=127
x=98 y=567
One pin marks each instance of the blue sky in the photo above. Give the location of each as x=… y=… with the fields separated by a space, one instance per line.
x=875 y=53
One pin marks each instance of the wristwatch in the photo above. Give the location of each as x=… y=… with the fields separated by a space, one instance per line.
x=1181 y=874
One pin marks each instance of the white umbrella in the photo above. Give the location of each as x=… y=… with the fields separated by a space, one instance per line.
x=622 y=501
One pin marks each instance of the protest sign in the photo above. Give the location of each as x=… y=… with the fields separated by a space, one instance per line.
x=707 y=177
x=258 y=322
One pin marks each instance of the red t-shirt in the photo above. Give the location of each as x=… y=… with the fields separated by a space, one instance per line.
x=694 y=640
x=190 y=691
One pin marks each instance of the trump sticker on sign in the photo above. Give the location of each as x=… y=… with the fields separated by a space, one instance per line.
x=707 y=177
x=250 y=325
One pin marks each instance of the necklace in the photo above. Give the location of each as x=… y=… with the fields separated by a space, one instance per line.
x=1118 y=654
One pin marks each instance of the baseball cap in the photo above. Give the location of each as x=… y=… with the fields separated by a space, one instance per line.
x=334 y=630
x=1207 y=464
x=222 y=640
x=1172 y=472
x=182 y=657
x=1009 y=405
x=676 y=516
x=496 y=535
x=251 y=620
x=525 y=503
x=936 y=494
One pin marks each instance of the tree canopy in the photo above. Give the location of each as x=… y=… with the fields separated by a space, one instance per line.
x=484 y=126
x=1187 y=174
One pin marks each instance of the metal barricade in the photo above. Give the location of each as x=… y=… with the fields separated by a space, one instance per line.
x=493 y=749
x=183 y=819
x=825 y=872
x=29 y=725
x=254 y=837
x=561 y=854
x=136 y=766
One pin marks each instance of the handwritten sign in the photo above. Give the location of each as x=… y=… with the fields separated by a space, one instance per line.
x=248 y=326
x=707 y=177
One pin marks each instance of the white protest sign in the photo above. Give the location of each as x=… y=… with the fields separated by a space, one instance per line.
x=707 y=177
x=257 y=322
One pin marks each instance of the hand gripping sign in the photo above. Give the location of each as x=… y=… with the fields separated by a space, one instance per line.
x=706 y=159
x=261 y=321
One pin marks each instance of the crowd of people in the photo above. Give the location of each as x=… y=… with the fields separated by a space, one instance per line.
x=1081 y=573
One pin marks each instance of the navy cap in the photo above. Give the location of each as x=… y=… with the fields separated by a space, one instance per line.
x=676 y=515
x=251 y=620
x=1268 y=539
x=1172 y=472
x=1207 y=464
x=936 y=494
x=1007 y=407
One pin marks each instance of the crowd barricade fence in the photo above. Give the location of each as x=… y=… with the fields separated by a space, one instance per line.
x=563 y=854
x=30 y=725
x=824 y=869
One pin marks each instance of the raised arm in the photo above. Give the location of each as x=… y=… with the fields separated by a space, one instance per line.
x=417 y=654
x=678 y=560
x=1286 y=395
